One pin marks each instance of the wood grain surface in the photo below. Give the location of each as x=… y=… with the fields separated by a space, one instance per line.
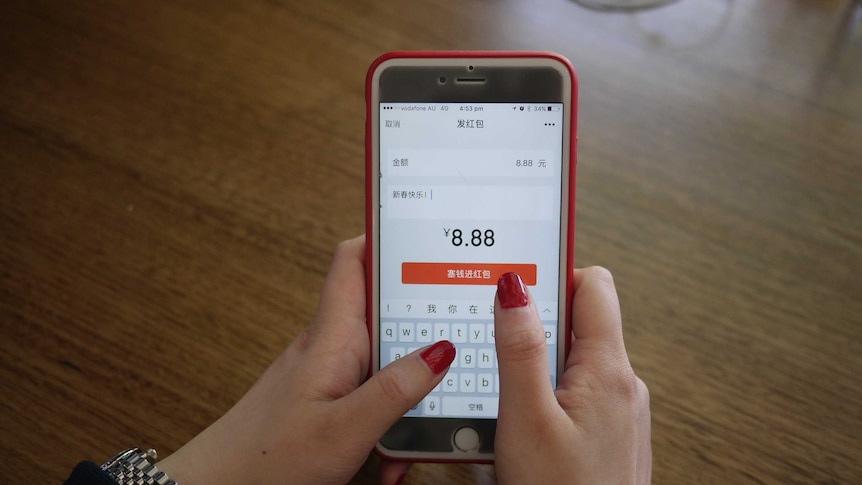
x=174 y=177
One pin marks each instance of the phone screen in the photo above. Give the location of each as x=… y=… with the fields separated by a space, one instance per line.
x=467 y=192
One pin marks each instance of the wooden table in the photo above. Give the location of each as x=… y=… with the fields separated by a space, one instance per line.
x=175 y=175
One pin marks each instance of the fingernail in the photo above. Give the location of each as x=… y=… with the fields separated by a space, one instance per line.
x=439 y=356
x=511 y=291
x=401 y=478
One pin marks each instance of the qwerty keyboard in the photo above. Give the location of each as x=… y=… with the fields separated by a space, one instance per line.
x=471 y=387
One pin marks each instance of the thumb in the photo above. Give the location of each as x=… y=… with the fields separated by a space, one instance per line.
x=522 y=355
x=390 y=393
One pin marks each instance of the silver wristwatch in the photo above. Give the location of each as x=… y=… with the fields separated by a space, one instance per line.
x=136 y=467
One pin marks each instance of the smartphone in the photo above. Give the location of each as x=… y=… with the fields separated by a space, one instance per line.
x=470 y=173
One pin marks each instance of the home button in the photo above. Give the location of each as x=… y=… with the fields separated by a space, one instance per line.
x=466 y=439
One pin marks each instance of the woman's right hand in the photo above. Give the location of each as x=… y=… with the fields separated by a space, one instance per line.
x=595 y=427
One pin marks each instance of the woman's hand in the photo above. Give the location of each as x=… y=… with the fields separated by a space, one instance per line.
x=595 y=427
x=310 y=418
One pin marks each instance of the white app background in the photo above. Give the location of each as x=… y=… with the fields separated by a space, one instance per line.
x=467 y=191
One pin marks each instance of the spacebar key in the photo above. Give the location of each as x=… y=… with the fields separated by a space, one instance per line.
x=479 y=407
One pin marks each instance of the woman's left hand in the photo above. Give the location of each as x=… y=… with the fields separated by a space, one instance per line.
x=312 y=417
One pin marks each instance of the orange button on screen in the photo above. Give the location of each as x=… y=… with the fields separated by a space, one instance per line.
x=463 y=273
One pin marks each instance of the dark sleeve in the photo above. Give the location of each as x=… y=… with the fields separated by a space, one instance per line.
x=89 y=473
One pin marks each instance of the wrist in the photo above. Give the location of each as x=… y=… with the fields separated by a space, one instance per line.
x=192 y=466
x=208 y=459
x=175 y=467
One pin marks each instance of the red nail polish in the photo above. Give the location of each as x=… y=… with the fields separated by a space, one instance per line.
x=439 y=356
x=511 y=291
x=401 y=478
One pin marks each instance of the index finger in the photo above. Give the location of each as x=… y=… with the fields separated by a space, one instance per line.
x=596 y=319
x=339 y=321
x=343 y=294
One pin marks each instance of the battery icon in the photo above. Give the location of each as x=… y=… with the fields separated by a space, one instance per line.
x=553 y=108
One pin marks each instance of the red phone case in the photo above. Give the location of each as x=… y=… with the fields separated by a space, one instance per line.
x=370 y=177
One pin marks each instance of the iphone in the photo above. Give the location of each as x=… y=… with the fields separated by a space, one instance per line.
x=470 y=173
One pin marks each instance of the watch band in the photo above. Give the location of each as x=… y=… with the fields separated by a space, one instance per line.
x=136 y=467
